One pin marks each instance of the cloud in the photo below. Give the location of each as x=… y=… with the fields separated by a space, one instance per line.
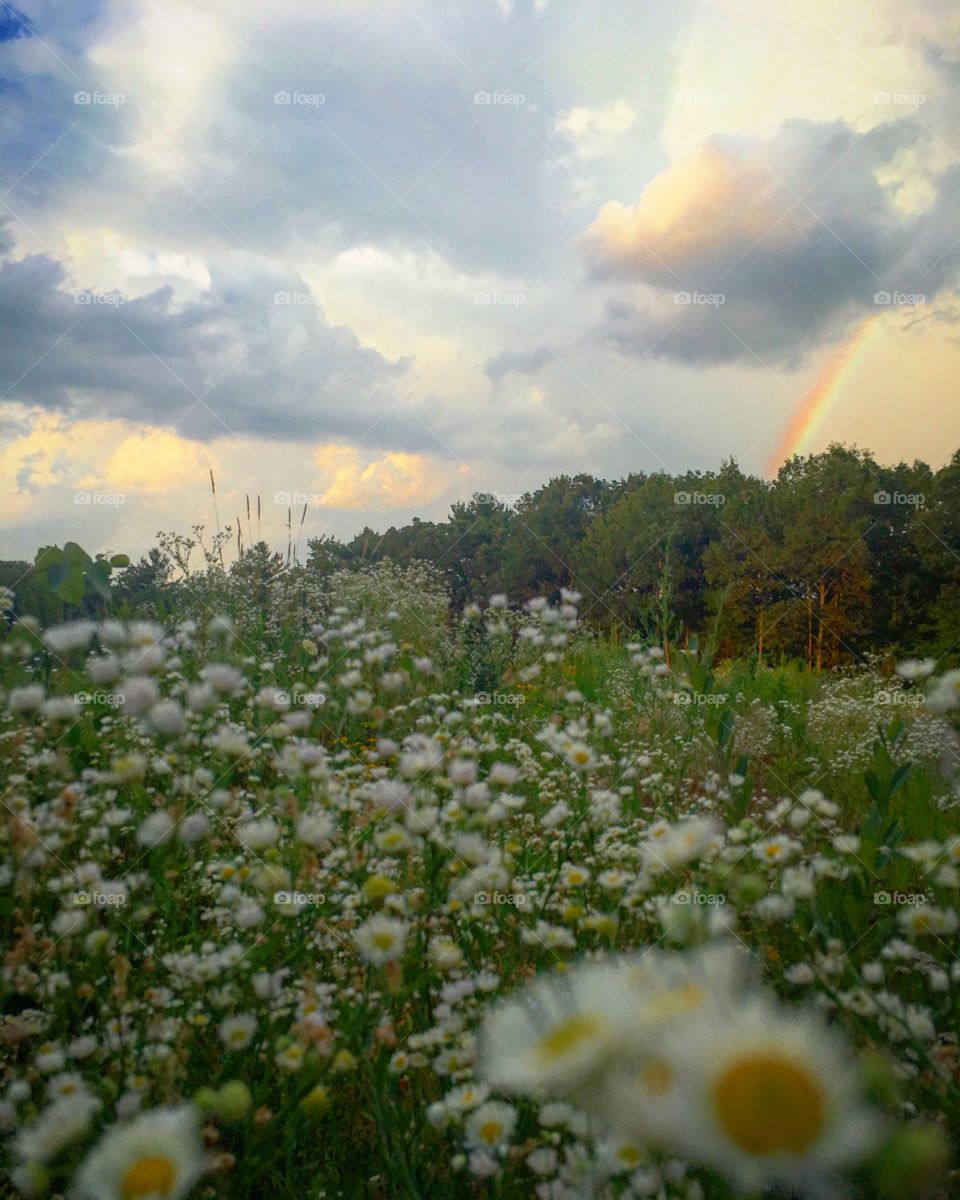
x=524 y=362
x=392 y=481
x=767 y=248
x=13 y=23
x=592 y=132
x=253 y=355
x=200 y=151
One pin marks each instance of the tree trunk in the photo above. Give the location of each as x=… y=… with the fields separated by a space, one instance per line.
x=821 y=606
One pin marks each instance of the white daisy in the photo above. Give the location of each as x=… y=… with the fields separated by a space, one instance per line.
x=237 y=1032
x=381 y=939
x=491 y=1125
x=768 y=1097
x=156 y=1154
x=559 y=1033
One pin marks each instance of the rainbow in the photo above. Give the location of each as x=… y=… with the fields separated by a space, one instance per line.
x=817 y=399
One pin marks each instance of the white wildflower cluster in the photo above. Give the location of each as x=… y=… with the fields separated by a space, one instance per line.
x=317 y=879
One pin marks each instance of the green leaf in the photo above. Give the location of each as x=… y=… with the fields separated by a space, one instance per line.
x=75 y=553
x=120 y=560
x=47 y=557
x=71 y=587
x=900 y=777
x=98 y=576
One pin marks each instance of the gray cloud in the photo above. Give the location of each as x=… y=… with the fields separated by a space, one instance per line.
x=524 y=362
x=784 y=246
x=254 y=355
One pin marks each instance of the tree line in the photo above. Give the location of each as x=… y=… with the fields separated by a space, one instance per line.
x=836 y=558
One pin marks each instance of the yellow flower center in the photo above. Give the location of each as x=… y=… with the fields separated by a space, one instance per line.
x=150 y=1176
x=657 y=1077
x=383 y=941
x=685 y=998
x=769 y=1105
x=568 y=1036
x=491 y=1132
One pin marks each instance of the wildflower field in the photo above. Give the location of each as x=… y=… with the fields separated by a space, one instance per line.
x=311 y=891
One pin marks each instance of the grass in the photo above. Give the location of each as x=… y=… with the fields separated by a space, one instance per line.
x=348 y=1076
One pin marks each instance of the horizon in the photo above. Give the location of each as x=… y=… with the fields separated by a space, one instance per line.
x=299 y=503
x=393 y=254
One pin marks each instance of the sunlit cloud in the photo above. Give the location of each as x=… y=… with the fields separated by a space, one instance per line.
x=392 y=481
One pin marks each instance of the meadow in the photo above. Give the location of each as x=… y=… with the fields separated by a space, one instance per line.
x=313 y=891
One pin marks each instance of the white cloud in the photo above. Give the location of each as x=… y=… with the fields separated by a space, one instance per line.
x=594 y=132
x=391 y=481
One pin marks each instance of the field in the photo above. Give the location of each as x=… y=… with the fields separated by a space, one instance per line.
x=313 y=892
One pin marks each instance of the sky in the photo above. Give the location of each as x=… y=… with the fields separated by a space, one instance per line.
x=376 y=256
